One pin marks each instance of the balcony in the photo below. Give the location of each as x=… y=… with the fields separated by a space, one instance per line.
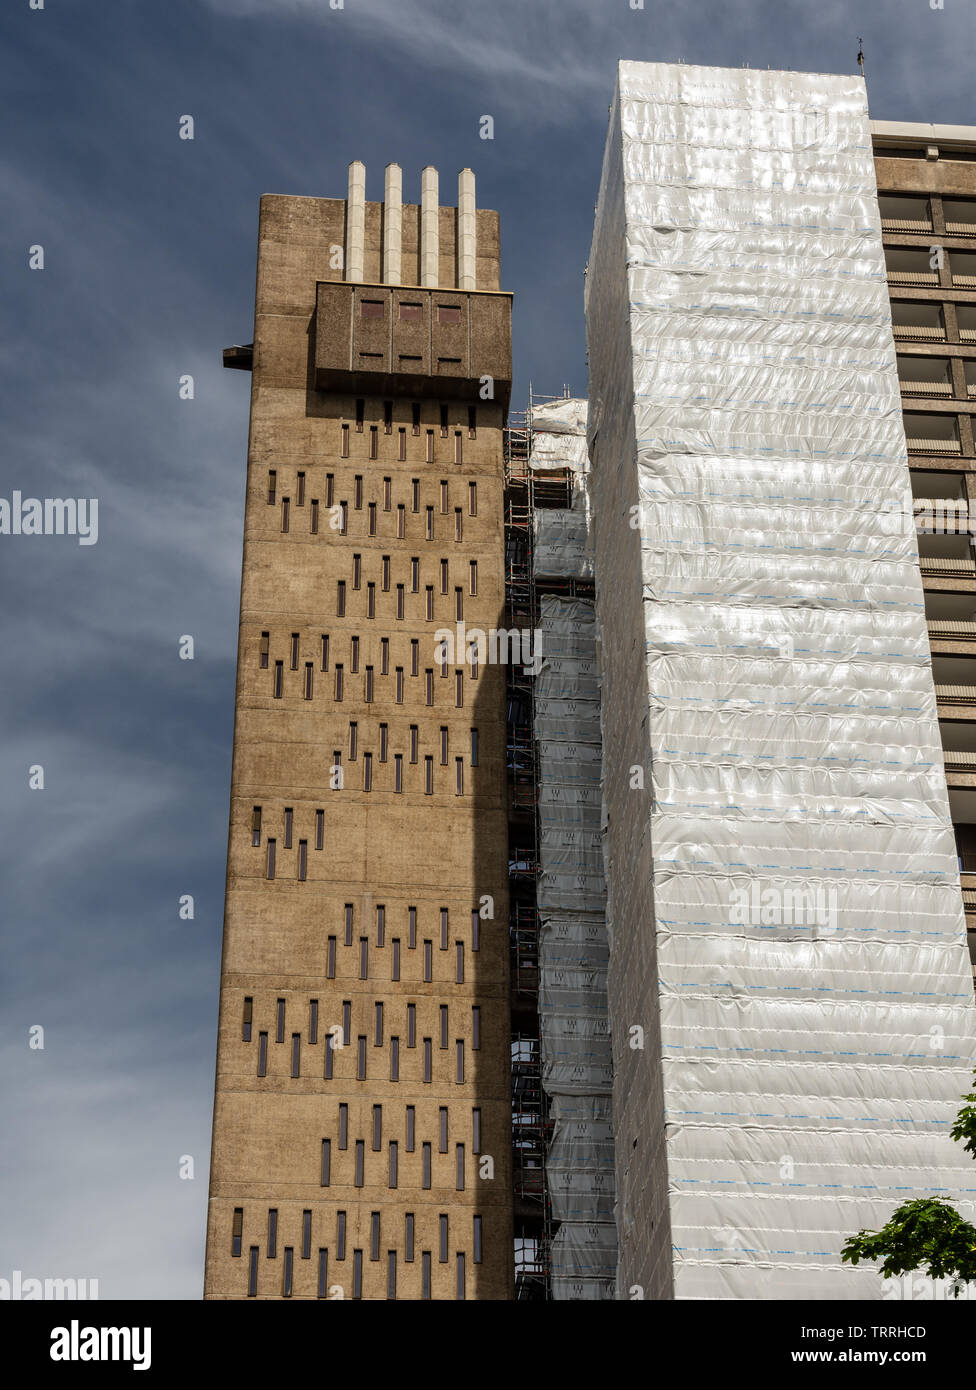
x=966 y=318
x=909 y=267
x=960 y=216
x=904 y=214
x=931 y=434
x=917 y=320
x=963 y=267
x=924 y=376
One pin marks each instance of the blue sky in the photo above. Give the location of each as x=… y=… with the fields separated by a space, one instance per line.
x=149 y=248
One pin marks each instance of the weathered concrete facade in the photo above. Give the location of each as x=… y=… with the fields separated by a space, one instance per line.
x=927 y=190
x=363 y=1055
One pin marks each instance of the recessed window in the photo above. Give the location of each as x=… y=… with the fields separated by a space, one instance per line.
x=448 y=313
x=237 y=1233
x=408 y=1237
x=323 y=1284
x=411 y=1025
x=360 y=1160
x=272 y=1233
x=256 y=825
x=411 y=313
x=248 y=1016
x=265 y=642
x=411 y=1139
x=372 y=308
x=326 y=1162
x=262 y=1054
x=340 y=1235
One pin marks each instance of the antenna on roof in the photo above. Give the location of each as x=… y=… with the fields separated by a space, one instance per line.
x=860 y=54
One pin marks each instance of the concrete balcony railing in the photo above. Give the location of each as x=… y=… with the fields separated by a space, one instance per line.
x=966 y=335
x=906 y=224
x=955 y=694
x=921 y=445
x=958 y=228
x=925 y=388
x=947 y=567
x=959 y=761
x=921 y=330
x=951 y=630
x=964 y=282
x=913 y=277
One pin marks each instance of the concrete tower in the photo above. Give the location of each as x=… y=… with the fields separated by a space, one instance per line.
x=361 y=1141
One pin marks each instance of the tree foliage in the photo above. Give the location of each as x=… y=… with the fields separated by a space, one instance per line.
x=927 y=1232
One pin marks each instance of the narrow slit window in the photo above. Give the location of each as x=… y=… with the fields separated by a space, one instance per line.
x=237 y=1232
x=478 y=1241
x=272 y=1233
x=459 y=776
x=302 y=860
x=377 y=1128
x=442 y=1237
x=378 y=1029
x=425 y=1274
x=459 y=962
x=398 y=772
x=373 y=441
x=399 y=600
x=459 y=1061
x=306 y=1234
x=384 y=742
x=444 y=740
x=329 y=489
x=414 y=742
x=425 y=1165
x=289 y=822
x=458 y=447
x=265 y=644
x=444 y=1025
x=272 y=485
x=458 y=524
x=430 y=446
x=313 y=1021
x=371 y=519
x=287 y=1272
x=272 y=845
x=252 y=1272
x=385 y=574
x=428 y=1061
x=411 y=927
x=398 y=684
x=280 y=1021
x=460 y=1275
x=401 y=525
x=279 y=678
x=360 y=415
x=340 y=1235
x=361 y=1058
x=394 y=1059
x=411 y=1135
x=391 y=1270
x=338 y=682
x=248 y=1018
x=348 y=922
x=476 y=1130
x=313 y=518
x=444 y=422
x=442 y=1145
x=474 y=747
x=429 y=773
x=444 y=495
x=344 y=442
x=323 y=1284
x=330 y=965
x=357 y=493
x=395 y=969
x=384 y=656
x=341 y=598
x=300 y=493
x=256 y=825
x=357 y=1274
x=309 y=678
x=429 y=523
x=415 y=415
x=429 y=687
x=319 y=829
x=411 y=1025
x=401 y=445
x=371 y=600
x=325 y=651
x=296 y=1054
x=262 y=1054
x=459 y=1166
x=472 y=499
x=428 y=961
x=364 y=957
x=360 y=1162
x=285 y=507
x=343 y=1126
x=387 y=494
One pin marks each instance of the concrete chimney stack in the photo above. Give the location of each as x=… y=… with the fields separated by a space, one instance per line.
x=356 y=221
x=429 y=235
x=393 y=226
x=467 y=272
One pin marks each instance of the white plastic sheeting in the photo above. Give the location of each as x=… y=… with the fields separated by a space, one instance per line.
x=791 y=998
x=571 y=894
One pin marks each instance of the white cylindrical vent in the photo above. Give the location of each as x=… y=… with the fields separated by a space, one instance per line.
x=467 y=272
x=393 y=225
x=356 y=222
x=429 y=238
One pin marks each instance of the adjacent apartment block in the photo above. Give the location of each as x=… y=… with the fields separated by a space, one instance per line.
x=361 y=1141
x=790 y=991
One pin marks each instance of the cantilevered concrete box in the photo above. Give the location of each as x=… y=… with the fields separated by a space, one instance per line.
x=405 y=341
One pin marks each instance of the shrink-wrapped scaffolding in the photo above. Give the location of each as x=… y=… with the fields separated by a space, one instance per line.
x=791 y=998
